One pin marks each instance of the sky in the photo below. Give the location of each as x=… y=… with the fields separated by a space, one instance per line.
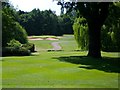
x=28 y=5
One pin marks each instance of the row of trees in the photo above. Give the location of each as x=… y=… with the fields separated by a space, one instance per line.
x=45 y=22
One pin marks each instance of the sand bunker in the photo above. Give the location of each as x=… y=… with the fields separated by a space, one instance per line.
x=51 y=39
x=31 y=38
x=35 y=39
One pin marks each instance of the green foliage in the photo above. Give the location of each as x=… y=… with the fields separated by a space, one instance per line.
x=76 y=28
x=10 y=28
x=45 y=22
x=111 y=31
x=13 y=51
x=20 y=33
x=81 y=33
x=29 y=46
x=39 y=22
x=14 y=48
x=14 y=43
x=67 y=23
x=117 y=4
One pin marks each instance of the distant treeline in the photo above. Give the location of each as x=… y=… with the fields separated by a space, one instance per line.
x=45 y=22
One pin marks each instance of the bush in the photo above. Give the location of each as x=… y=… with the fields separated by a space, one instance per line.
x=29 y=46
x=12 y=51
x=110 y=48
x=24 y=52
x=14 y=43
x=15 y=48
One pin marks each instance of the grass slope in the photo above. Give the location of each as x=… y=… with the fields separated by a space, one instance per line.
x=64 y=69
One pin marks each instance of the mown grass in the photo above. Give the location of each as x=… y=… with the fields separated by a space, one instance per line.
x=63 y=69
x=42 y=45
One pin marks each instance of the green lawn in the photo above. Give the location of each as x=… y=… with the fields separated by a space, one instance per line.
x=62 y=69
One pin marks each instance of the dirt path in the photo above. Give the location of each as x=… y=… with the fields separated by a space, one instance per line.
x=56 y=46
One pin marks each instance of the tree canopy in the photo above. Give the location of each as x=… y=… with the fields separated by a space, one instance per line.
x=45 y=22
x=11 y=29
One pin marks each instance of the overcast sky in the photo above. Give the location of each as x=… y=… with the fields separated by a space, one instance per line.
x=28 y=5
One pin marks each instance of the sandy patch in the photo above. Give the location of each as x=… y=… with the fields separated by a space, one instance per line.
x=31 y=38
x=35 y=38
x=51 y=39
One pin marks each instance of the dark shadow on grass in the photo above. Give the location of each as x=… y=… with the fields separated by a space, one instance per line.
x=106 y=64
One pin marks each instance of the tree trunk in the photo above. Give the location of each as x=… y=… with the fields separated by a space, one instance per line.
x=95 y=14
x=94 y=39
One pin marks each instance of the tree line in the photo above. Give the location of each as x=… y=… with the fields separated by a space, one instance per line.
x=45 y=22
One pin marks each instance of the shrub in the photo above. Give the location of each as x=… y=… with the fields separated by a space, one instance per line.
x=14 y=43
x=24 y=52
x=12 y=51
x=29 y=46
x=15 y=48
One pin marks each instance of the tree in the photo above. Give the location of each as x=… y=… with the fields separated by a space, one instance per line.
x=46 y=22
x=111 y=30
x=95 y=14
x=80 y=28
x=10 y=28
x=67 y=24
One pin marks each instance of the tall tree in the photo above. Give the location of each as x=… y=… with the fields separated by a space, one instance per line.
x=95 y=14
x=11 y=29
